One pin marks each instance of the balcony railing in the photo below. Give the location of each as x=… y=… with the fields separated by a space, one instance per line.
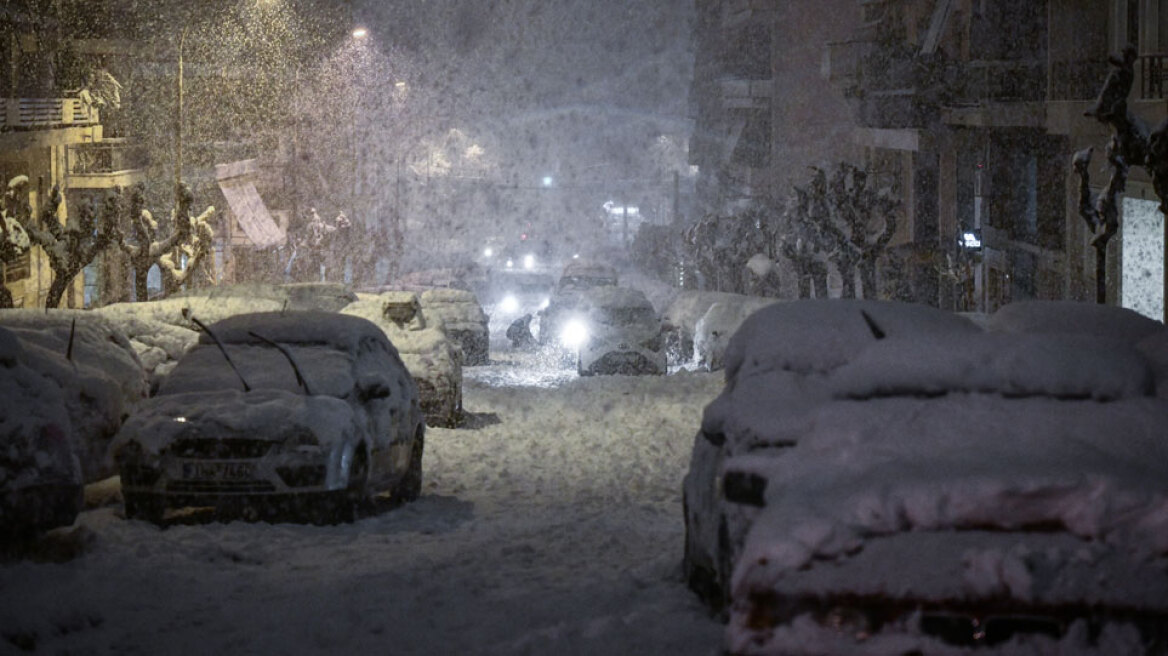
x=41 y=113
x=106 y=157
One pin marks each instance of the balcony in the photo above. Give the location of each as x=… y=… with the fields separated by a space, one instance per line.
x=105 y=164
x=45 y=113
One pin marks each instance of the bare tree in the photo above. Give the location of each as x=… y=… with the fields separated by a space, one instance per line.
x=802 y=240
x=145 y=247
x=868 y=220
x=14 y=242
x=71 y=247
x=1131 y=145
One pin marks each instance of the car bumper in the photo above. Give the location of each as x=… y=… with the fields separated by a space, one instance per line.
x=254 y=468
x=621 y=359
x=934 y=592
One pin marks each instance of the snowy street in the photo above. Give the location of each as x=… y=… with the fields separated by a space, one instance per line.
x=551 y=524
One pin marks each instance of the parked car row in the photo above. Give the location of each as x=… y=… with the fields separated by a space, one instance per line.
x=266 y=410
x=881 y=477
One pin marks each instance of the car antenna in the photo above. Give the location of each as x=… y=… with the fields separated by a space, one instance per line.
x=877 y=332
x=72 y=334
x=186 y=312
x=288 y=354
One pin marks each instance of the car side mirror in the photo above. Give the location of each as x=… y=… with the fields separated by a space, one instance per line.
x=373 y=386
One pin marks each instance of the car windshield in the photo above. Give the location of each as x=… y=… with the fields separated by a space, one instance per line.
x=204 y=369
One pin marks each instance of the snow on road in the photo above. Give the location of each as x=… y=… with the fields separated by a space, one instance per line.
x=552 y=524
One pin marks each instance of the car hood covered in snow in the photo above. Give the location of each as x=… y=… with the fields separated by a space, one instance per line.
x=259 y=414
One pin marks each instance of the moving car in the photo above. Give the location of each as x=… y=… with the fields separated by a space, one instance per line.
x=309 y=412
x=578 y=276
x=615 y=330
x=513 y=293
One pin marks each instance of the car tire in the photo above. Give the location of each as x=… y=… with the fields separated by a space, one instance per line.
x=146 y=507
x=409 y=488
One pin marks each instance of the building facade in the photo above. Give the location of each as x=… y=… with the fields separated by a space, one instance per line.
x=970 y=110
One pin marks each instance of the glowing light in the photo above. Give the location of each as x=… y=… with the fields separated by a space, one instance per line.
x=510 y=264
x=575 y=256
x=509 y=304
x=488 y=251
x=575 y=334
x=529 y=261
x=181 y=420
x=547 y=180
x=360 y=33
x=971 y=240
x=544 y=303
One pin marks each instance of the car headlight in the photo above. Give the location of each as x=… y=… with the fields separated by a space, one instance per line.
x=509 y=304
x=574 y=334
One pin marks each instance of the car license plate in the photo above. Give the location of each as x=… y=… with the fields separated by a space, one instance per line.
x=218 y=471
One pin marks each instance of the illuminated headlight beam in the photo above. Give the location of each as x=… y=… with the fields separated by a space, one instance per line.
x=574 y=334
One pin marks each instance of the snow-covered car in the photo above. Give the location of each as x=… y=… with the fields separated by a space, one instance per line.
x=578 y=276
x=40 y=474
x=308 y=413
x=432 y=358
x=680 y=318
x=934 y=489
x=94 y=364
x=465 y=322
x=776 y=368
x=615 y=330
x=994 y=490
x=713 y=330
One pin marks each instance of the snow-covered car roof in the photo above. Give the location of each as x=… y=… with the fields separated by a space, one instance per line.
x=340 y=331
x=1052 y=438
x=786 y=349
x=455 y=306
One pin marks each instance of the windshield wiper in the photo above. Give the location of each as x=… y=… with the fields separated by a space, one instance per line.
x=287 y=354
x=187 y=314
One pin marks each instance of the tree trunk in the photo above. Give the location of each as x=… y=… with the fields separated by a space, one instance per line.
x=141 y=293
x=1101 y=272
x=819 y=279
x=847 y=269
x=868 y=278
x=59 y=286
